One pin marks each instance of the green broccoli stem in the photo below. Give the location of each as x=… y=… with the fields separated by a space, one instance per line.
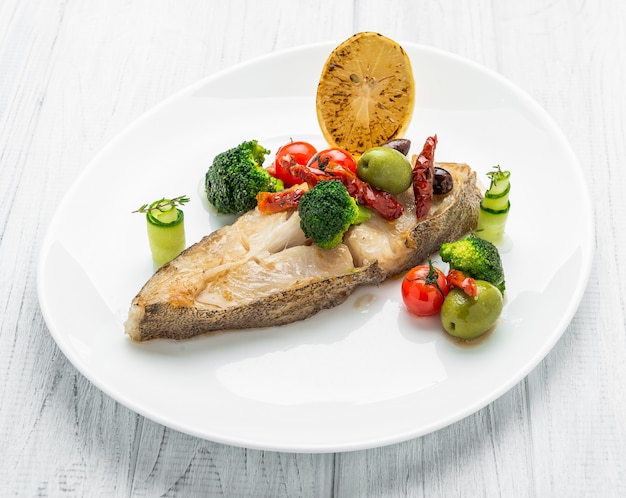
x=364 y=215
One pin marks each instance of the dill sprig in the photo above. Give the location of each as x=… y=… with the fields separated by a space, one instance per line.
x=163 y=203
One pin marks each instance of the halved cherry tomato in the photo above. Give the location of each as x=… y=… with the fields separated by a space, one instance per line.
x=334 y=156
x=302 y=152
x=424 y=289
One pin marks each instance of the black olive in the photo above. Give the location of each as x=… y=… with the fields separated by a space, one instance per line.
x=442 y=183
x=400 y=144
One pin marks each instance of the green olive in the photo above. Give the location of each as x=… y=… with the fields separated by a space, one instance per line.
x=468 y=317
x=386 y=169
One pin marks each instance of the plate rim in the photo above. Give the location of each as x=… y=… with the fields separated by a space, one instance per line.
x=488 y=398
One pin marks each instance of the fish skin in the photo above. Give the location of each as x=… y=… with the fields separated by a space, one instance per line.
x=165 y=308
x=161 y=320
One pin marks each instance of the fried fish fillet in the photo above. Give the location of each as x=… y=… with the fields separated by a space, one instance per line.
x=262 y=271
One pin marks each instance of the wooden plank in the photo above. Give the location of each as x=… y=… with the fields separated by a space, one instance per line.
x=74 y=74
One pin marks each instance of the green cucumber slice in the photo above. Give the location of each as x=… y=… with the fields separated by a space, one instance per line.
x=491 y=225
x=495 y=207
x=167 y=218
x=165 y=215
x=499 y=193
x=166 y=240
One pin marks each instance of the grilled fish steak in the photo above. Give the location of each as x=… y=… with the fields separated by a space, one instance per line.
x=261 y=271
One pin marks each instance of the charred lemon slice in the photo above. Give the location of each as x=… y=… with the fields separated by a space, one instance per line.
x=366 y=93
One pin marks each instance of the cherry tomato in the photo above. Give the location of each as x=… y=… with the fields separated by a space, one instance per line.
x=302 y=152
x=333 y=156
x=424 y=289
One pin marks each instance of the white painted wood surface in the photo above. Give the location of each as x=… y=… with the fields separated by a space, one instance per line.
x=74 y=73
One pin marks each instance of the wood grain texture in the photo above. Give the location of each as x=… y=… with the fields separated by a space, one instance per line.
x=74 y=74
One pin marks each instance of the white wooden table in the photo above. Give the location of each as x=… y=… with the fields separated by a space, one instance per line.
x=73 y=74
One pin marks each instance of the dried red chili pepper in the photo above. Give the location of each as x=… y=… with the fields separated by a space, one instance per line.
x=305 y=173
x=364 y=194
x=423 y=175
x=275 y=202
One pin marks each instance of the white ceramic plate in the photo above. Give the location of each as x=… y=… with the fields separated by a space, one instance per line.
x=364 y=374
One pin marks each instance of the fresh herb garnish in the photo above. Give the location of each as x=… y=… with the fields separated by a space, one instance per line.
x=163 y=203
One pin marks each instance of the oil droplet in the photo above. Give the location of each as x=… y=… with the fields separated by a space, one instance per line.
x=362 y=303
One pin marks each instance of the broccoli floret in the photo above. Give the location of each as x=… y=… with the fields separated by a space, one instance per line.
x=476 y=258
x=237 y=176
x=327 y=211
